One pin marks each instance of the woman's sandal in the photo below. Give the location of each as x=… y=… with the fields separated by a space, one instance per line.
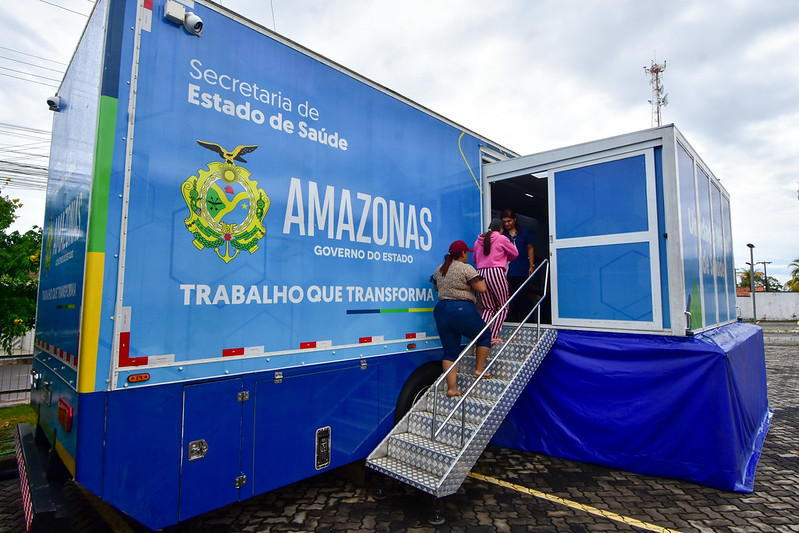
x=477 y=375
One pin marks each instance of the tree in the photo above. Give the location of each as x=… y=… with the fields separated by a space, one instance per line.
x=744 y=278
x=774 y=284
x=793 y=283
x=19 y=270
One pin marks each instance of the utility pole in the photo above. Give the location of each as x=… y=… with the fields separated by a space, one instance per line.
x=765 y=274
x=751 y=264
x=658 y=98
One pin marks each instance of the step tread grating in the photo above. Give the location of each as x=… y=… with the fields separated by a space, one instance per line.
x=406 y=472
x=427 y=444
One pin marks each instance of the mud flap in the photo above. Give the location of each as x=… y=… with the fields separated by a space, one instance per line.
x=42 y=501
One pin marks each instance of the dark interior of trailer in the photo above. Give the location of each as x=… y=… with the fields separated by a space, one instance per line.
x=527 y=196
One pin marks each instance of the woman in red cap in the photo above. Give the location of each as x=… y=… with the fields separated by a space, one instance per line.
x=456 y=313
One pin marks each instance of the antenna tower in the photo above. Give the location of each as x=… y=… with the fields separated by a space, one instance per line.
x=658 y=98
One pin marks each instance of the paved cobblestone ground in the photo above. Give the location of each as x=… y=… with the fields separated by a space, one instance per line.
x=334 y=502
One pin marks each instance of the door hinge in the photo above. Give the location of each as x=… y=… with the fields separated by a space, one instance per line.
x=278 y=377
x=363 y=364
x=244 y=396
x=241 y=481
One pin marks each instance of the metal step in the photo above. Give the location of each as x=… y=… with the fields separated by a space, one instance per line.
x=503 y=369
x=421 y=423
x=409 y=447
x=411 y=455
x=407 y=473
x=477 y=408
x=516 y=350
x=488 y=389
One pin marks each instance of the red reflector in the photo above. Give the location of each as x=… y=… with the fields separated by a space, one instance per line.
x=138 y=378
x=412 y=346
x=124 y=352
x=307 y=345
x=124 y=345
x=64 y=414
x=232 y=351
x=410 y=335
x=364 y=339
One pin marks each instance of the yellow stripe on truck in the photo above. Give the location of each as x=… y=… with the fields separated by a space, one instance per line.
x=90 y=321
x=66 y=458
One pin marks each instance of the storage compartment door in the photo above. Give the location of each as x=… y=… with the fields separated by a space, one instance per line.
x=604 y=245
x=312 y=422
x=210 y=466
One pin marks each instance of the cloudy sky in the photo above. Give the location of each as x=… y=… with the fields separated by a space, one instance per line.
x=531 y=75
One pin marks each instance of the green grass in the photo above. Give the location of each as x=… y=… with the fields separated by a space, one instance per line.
x=9 y=418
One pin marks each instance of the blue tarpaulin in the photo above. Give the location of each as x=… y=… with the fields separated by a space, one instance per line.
x=691 y=408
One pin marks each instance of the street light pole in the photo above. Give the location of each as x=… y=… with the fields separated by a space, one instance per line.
x=765 y=273
x=752 y=280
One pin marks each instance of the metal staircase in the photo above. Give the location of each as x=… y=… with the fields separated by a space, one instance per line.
x=439 y=440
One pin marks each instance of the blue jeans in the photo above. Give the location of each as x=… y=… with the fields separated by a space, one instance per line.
x=456 y=319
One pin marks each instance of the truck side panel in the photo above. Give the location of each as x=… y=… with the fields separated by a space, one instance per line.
x=61 y=282
x=280 y=212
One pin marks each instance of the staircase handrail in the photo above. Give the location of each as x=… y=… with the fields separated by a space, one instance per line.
x=464 y=396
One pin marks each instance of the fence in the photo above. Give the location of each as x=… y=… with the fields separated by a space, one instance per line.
x=15 y=369
x=15 y=379
x=770 y=305
x=21 y=345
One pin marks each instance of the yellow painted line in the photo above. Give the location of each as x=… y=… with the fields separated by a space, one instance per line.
x=575 y=505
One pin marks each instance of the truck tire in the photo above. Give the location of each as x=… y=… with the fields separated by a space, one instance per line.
x=416 y=385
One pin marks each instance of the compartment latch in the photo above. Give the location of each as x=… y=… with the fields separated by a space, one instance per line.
x=323 y=447
x=197 y=449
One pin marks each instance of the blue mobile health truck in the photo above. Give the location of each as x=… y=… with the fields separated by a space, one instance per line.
x=235 y=288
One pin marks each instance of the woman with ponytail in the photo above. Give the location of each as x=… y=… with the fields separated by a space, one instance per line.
x=456 y=313
x=492 y=253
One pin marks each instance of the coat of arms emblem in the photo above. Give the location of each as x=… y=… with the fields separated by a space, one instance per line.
x=226 y=207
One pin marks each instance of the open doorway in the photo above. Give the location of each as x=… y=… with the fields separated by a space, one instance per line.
x=526 y=196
